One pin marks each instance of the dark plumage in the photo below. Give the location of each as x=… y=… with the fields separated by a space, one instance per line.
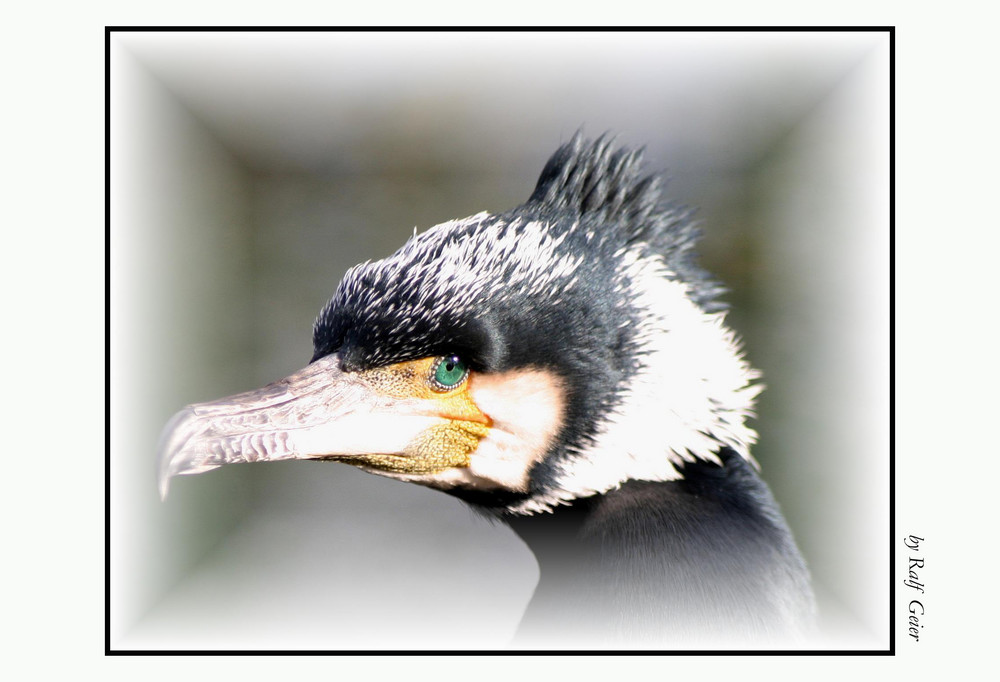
x=564 y=368
x=605 y=186
x=705 y=560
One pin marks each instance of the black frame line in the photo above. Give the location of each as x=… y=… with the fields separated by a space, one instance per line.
x=109 y=30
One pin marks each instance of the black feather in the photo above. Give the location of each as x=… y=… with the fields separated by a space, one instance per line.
x=598 y=183
x=707 y=558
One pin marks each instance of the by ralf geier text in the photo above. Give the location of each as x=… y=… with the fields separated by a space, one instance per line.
x=915 y=605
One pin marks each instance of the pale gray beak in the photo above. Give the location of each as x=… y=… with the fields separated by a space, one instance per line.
x=319 y=412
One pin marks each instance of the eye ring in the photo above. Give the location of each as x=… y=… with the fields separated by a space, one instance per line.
x=448 y=373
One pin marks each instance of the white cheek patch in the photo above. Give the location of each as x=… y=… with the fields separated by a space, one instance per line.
x=526 y=407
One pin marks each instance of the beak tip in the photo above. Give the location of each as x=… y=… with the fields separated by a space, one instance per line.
x=170 y=460
x=167 y=470
x=164 y=487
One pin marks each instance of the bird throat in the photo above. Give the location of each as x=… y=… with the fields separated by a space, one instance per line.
x=444 y=446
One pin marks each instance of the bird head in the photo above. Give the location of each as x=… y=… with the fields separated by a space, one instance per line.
x=519 y=361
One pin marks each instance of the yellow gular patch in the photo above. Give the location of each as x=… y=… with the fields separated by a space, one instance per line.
x=447 y=445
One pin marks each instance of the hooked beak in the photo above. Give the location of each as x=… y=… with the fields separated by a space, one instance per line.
x=320 y=412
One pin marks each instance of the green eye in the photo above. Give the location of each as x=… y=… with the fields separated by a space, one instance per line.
x=449 y=372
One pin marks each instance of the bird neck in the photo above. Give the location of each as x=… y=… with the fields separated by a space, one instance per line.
x=682 y=560
x=558 y=538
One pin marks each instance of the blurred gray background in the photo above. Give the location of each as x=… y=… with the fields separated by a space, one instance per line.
x=250 y=170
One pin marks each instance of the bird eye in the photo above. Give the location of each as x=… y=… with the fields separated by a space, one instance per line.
x=449 y=372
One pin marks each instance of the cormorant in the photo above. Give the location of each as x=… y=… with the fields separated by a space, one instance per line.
x=563 y=367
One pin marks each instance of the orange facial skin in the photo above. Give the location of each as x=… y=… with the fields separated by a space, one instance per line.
x=449 y=444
